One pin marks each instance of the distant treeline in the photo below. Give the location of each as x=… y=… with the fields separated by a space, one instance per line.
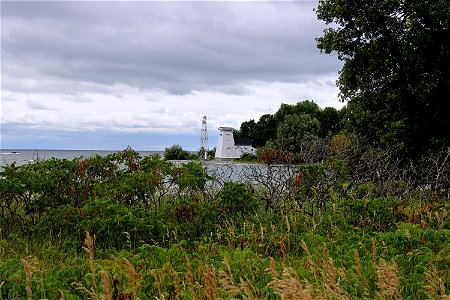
x=293 y=124
x=395 y=79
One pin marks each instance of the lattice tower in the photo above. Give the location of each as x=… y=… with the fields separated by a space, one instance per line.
x=204 y=138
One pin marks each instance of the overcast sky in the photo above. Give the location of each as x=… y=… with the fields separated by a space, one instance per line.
x=110 y=74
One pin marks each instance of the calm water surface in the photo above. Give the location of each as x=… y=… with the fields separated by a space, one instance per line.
x=221 y=170
x=24 y=156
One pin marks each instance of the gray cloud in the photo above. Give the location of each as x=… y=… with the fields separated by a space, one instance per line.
x=78 y=99
x=34 y=105
x=154 y=68
x=176 y=46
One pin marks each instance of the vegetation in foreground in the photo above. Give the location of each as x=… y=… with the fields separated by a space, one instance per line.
x=352 y=221
x=130 y=227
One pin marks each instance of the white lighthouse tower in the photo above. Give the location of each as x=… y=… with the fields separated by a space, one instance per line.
x=225 y=145
x=230 y=147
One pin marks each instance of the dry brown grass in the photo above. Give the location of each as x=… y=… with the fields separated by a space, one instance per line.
x=359 y=272
x=209 y=281
x=158 y=284
x=388 y=280
x=89 y=248
x=436 y=287
x=248 y=290
x=226 y=280
x=27 y=269
x=311 y=264
x=106 y=285
x=61 y=295
x=289 y=286
x=244 y=288
x=177 y=285
x=326 y=286
x=190 y=279
x=332 y=288
x=131 y=276
x=1 y=285
x=211 y=284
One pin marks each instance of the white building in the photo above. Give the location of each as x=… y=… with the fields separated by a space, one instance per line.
x=228 y=147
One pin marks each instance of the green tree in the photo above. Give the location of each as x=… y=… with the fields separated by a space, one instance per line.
x=330 y=121
x=190 y=177
x=264 y=130
x=395 y=75
x=247 y=129
x=295 y=130
x=176 y=152
x=307 y=107
x=283 y=111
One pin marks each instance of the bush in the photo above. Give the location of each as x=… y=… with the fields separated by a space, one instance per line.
x=175 y=152
x=248 y=157
x=191 y=218
x=236 y=200
x=377 y=214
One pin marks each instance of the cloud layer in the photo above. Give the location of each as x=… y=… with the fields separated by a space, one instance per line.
x=155 y=67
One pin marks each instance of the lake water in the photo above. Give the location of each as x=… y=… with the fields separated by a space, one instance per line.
x=221 y=170
x=24 y=156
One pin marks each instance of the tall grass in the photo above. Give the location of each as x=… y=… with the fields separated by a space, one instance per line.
x=126 y=228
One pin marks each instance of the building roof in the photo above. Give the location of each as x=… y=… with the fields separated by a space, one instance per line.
x=242 y=141
x=226 y=128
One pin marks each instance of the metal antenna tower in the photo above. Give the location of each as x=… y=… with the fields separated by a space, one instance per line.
x=204 y=139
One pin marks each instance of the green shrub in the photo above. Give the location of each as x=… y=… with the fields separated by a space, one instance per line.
x=192 y=218
x=378 y=214
x=190 y=178
x=175 y=152
x=236 y=200
x=247 y=157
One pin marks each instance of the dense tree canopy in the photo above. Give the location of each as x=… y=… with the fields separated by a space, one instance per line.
x=306 y=107
x=176 y=152
x=330 y=121
x=284 y=128
x=396 y=73
x=295 y=130
x=259 y=132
